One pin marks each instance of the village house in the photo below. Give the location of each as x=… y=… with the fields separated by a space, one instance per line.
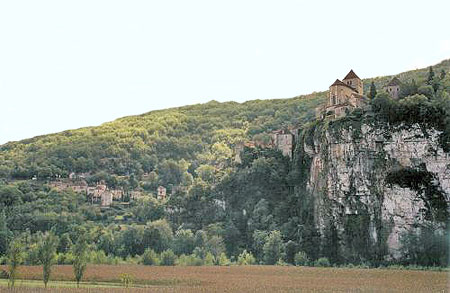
x=393 y=87
x=284 y=140
x=161 y=192
x=106 y=199
x=343 y=96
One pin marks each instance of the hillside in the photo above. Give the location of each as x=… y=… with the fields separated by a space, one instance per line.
x=138 y=144
x=375 y=178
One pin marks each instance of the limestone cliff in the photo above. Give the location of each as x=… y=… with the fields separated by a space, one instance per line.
x=386 y=180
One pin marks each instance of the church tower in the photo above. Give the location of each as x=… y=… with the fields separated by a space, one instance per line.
x=354 y=81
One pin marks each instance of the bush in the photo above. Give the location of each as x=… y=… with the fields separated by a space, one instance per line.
x=64 y=258
x=168 y=258
x=209 y=259
x=246 y=258
x=223 y=260
x=322 y=262
x=190 y=260
x=301 y=259
x=150 y=258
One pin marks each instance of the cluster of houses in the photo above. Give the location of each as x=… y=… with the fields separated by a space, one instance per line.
x=100 y=193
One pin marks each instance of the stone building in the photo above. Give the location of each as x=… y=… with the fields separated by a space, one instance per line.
x=284 y=140
x=161 y=192
x=393 y=87
x=106 y=199
x=344 y=96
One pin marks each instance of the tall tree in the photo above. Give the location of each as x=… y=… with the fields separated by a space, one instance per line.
x=430 y=76
x=47 y=254
x=15 y=259
x=372 y=91
x=79 y=251
x=273 y=248
x=443 y=73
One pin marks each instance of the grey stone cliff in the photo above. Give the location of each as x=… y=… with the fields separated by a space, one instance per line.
x=351 y=171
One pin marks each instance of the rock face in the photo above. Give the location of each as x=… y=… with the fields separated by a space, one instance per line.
x=366 y=172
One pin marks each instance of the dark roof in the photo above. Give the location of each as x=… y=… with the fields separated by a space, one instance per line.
x=351 y=75
x=338 y=82
x=394 y=82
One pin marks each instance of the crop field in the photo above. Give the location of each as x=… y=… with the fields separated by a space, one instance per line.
x=105 y=278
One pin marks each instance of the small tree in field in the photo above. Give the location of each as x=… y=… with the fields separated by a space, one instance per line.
x=126 y=279
x=47 y=254
x=79 y=251
x=15 y=258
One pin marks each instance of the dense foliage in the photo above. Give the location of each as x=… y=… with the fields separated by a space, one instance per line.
x=218 y=211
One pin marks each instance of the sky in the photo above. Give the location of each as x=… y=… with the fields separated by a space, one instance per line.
x=70 y=64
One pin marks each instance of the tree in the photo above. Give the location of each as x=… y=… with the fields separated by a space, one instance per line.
x=430 y=77
x=168 y=258
x=47 y=254
x=372 y=91
x=150 y=258
x=215 y=246
x=259 y=239
x=4 y=234
x=246 y=258
x=273 y=248
x=443 y=73
x=184 y=242
x=79 y=251
x=158 y=235
x=15 y=259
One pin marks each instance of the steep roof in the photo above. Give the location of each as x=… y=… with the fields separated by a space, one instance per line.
x=394 y=82
x=338 y=82
x=351 y=75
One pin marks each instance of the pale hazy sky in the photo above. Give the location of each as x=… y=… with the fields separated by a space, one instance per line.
x=68 y=64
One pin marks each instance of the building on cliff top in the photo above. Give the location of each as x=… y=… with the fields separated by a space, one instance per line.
x=393 y=87
x=344 y=96
x=282 y=139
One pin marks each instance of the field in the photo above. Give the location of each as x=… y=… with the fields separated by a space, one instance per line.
x=105 y=278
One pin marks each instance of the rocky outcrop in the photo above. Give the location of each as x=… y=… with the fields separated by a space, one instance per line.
x=389 y=180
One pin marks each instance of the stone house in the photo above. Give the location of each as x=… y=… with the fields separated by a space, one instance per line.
x=284 y=140
x=106 y=199
x=393 y=87
x=161 y=192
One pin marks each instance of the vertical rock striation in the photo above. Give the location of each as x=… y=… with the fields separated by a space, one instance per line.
x=380 y=180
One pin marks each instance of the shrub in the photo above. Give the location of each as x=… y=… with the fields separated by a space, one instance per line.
x=301 y=259
x=246 y=258
x=126 y=279
x=168 y=258
x=209 y=259
x=190 y=260
x=322 y=262
x=150 y=258
x=223 y=260
x=65 y=258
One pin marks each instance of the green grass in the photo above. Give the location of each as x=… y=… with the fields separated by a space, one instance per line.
x=61 y=284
